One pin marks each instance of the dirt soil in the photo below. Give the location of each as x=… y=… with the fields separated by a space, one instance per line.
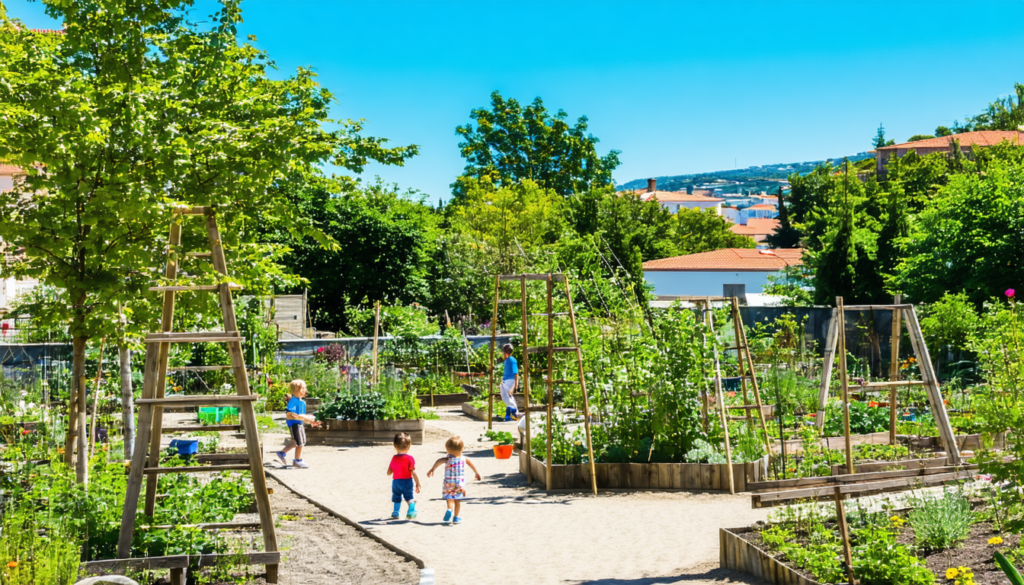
x=519 y=533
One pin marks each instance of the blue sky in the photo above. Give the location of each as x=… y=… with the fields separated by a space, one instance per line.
x=678 y=87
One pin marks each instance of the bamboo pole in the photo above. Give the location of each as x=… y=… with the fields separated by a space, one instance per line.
x=376 y=329
x=844 y=383
x=83 y=427
x=894 y=368
x=494 y=345
x=737 y=328
x=720 y=397
x=524 y=372
x=826 y=369
x=96 y=399
x=742 y=340
x=551 y=381
x=844 y=533
x=705 y=308
x=583 y=386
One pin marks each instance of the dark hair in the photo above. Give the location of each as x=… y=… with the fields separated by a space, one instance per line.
x=507 y=348
x=403 y=440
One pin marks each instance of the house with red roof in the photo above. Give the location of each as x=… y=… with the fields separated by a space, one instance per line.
x=968 y=142
x=758 y=211
x=758 y=229
x=11 y=287
x=727 y=272
x=673 y=201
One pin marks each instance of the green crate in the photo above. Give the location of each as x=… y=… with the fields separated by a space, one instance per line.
x=210 y=415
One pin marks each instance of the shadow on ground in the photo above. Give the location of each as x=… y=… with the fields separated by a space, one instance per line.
x=713 y=575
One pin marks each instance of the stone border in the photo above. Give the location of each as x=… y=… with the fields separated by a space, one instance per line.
x=737 y=554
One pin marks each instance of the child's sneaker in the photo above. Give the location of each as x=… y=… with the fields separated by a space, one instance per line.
x=280 y=457
x=300 y=464
x=456 y=520
x=394 y=515
x=447 y=516
x=411 y=515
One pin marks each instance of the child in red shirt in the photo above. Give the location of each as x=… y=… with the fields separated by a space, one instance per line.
x=403 y=472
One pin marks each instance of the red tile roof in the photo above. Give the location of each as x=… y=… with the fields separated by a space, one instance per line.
x=763 y=206
x=6 y=169
x=730 y=260
x=756 y=227
x=678 y=197
x=979 y=138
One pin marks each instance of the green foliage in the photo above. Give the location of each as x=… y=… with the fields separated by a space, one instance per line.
x=389 y=403
x=879 y=140
x=879 y=560
x=704 y=452
x=941 y=522
x=1011 y=572
x=949 y=322
x=509 y=143
x=1002 y=114
x=917 y=137
x=502 y=437
x=864 y=419
x=700 y=230
x=786 y=236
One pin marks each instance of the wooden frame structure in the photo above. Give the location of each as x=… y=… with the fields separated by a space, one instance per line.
x=746 y=368
x=836 y=343
x=550 y=349
x=150 y=427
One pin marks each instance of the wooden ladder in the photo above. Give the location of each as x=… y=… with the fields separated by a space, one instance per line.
x=153 y=402
x=550 y=350
x=835 y=343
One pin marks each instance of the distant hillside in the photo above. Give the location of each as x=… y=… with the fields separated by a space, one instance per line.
x=751 y=179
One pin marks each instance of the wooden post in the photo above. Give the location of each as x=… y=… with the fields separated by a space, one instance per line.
x=583 y=386
x=96 y=399
x=720 y=397
x=705 y=309
x=737 y=328
x=844 y=533
x=494 y=343
x=826 y=368
x=894 y=367
x=931 y=384
x=524 y=372
x=551 y=381
x=376 y=328
x=843 y=380
x=138 y=465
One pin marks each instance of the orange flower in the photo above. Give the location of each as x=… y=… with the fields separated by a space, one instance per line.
x=12 y=564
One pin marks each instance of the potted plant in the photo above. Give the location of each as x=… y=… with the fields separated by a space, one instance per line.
x=503 y=450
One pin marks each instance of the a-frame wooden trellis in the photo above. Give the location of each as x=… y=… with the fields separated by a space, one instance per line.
x=146 y=459
x=836 y=344
x=746 y=370
x=549 y=350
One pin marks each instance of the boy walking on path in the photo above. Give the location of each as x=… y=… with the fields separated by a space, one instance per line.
x=509 y=383
x=403 y=472
x=296 y=415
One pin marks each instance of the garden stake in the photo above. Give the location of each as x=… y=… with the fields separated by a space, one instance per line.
x=826 y=368
x=526 y=376
x=720 y=397
x=894 y=369
x=96 y=399
x=844 y=384
x=741 y=342
x=845 y=534
x=376 y=329
x=494 y=341
x=583 y=386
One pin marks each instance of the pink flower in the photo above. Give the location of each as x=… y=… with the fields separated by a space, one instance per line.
x=319 y=350
x=1010 y=292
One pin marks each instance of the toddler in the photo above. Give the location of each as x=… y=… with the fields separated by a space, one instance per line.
x=454 y=489
x=403 y=473
x=296 y=416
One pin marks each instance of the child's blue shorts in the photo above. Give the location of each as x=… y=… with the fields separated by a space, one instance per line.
x=401 y=488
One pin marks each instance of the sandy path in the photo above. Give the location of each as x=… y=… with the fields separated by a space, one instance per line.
x=514 y=532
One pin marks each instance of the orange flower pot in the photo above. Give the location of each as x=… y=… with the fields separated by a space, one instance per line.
x=502 y=451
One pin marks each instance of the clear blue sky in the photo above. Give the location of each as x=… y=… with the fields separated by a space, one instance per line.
x=678 y=87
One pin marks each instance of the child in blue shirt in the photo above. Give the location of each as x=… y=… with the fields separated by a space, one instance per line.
x=509 y=383
x=296 y=415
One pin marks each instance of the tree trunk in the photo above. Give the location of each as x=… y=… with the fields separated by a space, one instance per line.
x=78 y=391
x=127 y=402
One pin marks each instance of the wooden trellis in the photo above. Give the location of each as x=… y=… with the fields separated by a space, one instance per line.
x=150 y=427
x=550 y=350
x=836 y=343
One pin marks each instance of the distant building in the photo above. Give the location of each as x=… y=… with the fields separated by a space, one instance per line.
x=727 y=272
x=758 y=211
x=730 y=213
x=968 y=141
x=673 y=201
x=758 y=229
x=10 y=288
x=7 y=175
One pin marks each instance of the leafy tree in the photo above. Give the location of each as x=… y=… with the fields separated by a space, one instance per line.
x=968 y=237
x=879 y=140
x=704 y=230
x=509 y=143
x=896 y=227
x=917 y=137
x=113 y=134
x=794 y=284
x=786 y=236
x=835 y=265
x=948 y=324
x=943 y=131
x=1002 y=114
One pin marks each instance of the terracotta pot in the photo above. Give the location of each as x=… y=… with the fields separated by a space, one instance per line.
x=502 y=451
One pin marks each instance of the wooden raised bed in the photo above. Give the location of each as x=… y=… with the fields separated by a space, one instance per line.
x=645 y=476
x=474 y=412
x=443 y=399
x=964 y=442
x=343 y=432
x=177 y=564
x=736 y=554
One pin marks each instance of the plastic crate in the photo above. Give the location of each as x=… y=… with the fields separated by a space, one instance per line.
x=186 y=446
x=228 y=411
x=210 y=415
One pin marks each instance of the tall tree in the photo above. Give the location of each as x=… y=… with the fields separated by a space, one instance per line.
x=786 y=236
x=897 y=223
x=114 y=134
x=704 y=230
x=879 y=140
x=509 y=143
x=835 y=270
x=1002 y=114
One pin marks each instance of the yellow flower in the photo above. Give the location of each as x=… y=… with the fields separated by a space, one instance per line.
x=996 y=540
x=952 y=572
x=897 y=521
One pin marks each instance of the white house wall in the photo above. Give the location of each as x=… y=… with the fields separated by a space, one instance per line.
x=678 y=282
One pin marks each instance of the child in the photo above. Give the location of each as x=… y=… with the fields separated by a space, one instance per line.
x=403 y=472
x=509 y=383
x=296 y=415
x=454 y=477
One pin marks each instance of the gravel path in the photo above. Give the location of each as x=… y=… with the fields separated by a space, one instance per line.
x=512 y=532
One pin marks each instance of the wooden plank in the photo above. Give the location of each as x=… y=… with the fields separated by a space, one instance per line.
x=194 y=428
x=557 y=477
x=868 y=476
x=196 y=468
x=935 y=400
x=602 y=474
x=876 y=307
x=207 y=526
x=637 y=476
x=894 y=368
x=844 y=381
x=190 y=338
x=615 y=475
x=844 y=534
x=691 y=476
x=826 y=366
x=211 y=400
x=739 y=475
x=261 y=558
x=857 y=489
x=519 y=277
x=887 y=384
x=665 y=475
x=544 y=349
x=194 y=287
x=199 y=369
x=142 y=436
x=704 y=477
x=571 y=475
x=106 y=567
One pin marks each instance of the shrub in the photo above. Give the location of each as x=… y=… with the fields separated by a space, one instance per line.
x=878 y=560
x=941 y=522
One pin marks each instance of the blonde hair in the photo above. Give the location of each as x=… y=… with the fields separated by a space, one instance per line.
x=454 y=445
x=294 y=386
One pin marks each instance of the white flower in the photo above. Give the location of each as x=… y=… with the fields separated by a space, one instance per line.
x=24 y=393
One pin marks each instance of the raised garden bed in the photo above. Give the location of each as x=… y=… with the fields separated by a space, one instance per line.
x=343 y=432
x=645 y=476
x=443 y=399
x=964 y=442
x=474 y=412
x=737 y=554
